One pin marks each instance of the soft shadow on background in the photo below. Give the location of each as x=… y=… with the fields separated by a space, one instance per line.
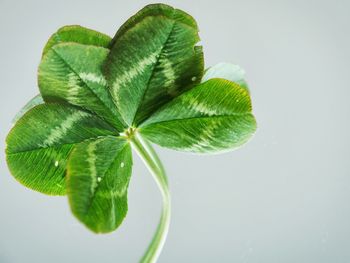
x=284 y=197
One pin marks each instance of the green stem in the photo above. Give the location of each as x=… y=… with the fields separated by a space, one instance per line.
x=151 y=160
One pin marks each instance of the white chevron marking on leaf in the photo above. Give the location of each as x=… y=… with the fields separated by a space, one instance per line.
x=113 y=212
x=73 y=87
x=121 y=192
x=201 y=107
x=91 y=159
x=92 y=77
x=74 y=84
x=133 y=72
x=206 y=136
x=114 y=192
x=168 y=71
x=60 y=131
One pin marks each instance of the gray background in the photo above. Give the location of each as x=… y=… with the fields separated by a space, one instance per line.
x=284 y=197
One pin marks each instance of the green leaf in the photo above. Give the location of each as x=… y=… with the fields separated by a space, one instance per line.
x=101 y=96
x=77 y=34
x=213 y=116
x=97 y=182
x=226 y=71
x=153 y=59
x=39 y=144
x=71 y=73
x=31 y=104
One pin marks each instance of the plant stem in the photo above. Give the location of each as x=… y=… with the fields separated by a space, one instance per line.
x=151 y=160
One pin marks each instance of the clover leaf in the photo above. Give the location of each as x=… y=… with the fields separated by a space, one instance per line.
x=101 y=97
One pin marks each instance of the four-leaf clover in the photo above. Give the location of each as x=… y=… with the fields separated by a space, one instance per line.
x=103 y=96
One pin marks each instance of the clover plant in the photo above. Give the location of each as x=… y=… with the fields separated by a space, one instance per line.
x=101 y=97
